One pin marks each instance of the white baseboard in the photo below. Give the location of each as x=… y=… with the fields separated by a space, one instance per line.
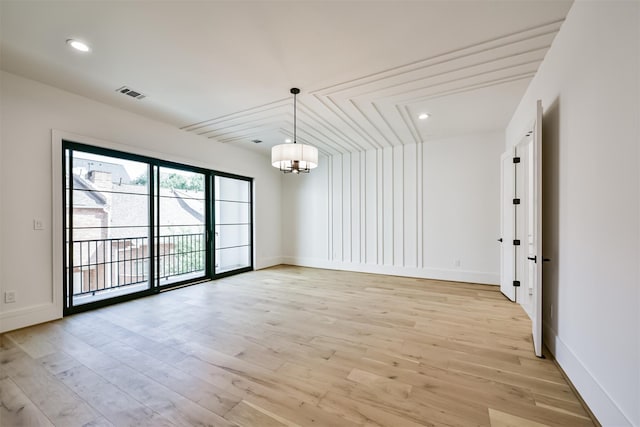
x=267 y=262
x=598 y=400
x=28 y=316
x=422 y=273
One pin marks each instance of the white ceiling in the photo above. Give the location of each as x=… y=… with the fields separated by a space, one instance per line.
x=224 y=69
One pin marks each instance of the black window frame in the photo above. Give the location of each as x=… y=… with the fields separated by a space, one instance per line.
x=153 y=165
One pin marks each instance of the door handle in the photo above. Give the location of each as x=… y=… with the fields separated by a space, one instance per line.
x=533 y=258
x=546 y=259
x=500 y=240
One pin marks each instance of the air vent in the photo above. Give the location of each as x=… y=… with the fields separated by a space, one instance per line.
x=256 y=141
x=130 y=92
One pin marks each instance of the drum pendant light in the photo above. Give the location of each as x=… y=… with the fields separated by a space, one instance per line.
x=293 y=157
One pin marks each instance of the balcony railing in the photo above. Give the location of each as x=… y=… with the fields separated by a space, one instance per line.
x=104 y=264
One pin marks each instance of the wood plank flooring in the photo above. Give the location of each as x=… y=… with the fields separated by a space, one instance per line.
x=289 y=346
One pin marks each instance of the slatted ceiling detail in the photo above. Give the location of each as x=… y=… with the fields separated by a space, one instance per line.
x=243 y=132
x=238 y=114
x=311 y=130
x=410 y=125
x=327 y=129
x=379 y=110
x=231 y=126
x=538 y=38
x=342 y=125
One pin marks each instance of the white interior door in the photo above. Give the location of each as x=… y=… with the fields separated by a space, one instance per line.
x=521 y=222
x=507 y=225
x=534 y=257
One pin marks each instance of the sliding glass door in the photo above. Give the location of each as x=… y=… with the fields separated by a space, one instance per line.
x=108 y=227
x=233 y=225
x=134 y=225
x=181 y=225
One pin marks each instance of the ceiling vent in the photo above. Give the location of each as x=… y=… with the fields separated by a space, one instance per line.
x=130 y=92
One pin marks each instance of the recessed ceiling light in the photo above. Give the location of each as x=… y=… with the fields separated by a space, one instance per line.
x=78 y=45
x=423 y=116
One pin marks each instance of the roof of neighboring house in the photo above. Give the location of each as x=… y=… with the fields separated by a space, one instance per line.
x=181 y=211
x=192 y=202
x=118 y=172
x=88 y=196
x=130 y=205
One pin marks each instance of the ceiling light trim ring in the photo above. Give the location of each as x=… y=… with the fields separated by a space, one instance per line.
x=78 y=45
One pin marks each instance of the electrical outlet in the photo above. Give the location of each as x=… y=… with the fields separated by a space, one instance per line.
x=457 y=263
x=38 y=225
x=10 y=297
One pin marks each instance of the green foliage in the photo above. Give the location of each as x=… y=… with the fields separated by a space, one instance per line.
x=141 y=180
x=187 y=256
x=175 y=181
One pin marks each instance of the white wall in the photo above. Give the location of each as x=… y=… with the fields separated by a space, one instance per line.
x=590 y=90
x=29 y=112
x=411 y=210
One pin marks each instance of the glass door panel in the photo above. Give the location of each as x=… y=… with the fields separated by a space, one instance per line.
x=107 y=227
x=233 y=248
x=181 y=226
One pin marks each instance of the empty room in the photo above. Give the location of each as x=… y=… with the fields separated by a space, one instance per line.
x=331 y=213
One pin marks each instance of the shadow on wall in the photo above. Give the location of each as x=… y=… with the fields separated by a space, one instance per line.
x=551 y=212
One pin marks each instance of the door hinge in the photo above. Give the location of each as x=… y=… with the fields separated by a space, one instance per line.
x=516 y=242
x=516 y=283
x=516 y=201
x=516 y=160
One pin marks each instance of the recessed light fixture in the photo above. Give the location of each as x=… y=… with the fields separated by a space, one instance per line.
x=78 y=45
x=423 y=116
x=288 y=140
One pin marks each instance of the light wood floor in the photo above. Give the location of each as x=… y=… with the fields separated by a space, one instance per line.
x=289 y=346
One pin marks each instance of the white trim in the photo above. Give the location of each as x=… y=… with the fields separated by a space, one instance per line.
x=267 y=262
x=50 y=310
x=594 y=395
x=28 y=316
x=469 y=276
x=132 y=149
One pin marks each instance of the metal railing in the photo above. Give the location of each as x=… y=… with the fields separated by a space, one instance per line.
x=102 y=264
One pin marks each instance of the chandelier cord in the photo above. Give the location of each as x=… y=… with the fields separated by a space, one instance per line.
x=295 y=96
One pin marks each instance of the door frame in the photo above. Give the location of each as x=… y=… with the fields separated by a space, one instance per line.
x=507 y=231
x=250 y=267
x=61 y=141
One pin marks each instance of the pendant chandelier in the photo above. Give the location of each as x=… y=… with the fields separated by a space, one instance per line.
x=293 y=157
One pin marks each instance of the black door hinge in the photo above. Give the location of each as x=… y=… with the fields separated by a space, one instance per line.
x=516 y=201
x=516 y=283
x=516 y=160
x=516 y=242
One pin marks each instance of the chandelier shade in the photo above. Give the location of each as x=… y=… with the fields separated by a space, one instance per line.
x=294 y=157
